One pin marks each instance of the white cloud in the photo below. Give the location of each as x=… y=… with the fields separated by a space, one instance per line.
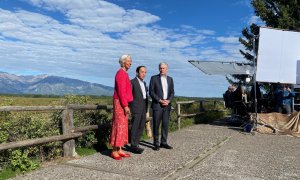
x=256 y=20
x=101 y=15
x=200 y=31
x=229 y=40
x=87 y=47
x=210 y=52
x=232 y=51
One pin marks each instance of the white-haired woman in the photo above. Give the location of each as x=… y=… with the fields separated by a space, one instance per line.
x=121 y=98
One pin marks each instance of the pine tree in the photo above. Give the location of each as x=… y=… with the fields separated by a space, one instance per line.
x=283 y=14
x=249 y=34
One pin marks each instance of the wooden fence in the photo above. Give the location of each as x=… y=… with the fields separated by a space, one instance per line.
x=201 y=108
x=69 y=131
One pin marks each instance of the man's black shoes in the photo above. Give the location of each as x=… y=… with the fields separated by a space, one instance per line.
x=166 y=146
x=156 y=148
x=136 y=150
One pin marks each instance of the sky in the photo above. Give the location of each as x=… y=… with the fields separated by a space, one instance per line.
x=83 y=39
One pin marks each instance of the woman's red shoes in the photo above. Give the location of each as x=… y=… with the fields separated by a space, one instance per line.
x=120 y=155
x=116 y=157
x=124 y=155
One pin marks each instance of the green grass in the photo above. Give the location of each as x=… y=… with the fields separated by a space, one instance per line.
x=144 y=135
x=186 y=122
x=85 y=151
x=45 y=100
x=7 y=173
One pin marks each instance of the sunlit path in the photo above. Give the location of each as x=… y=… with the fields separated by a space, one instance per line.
x=200 y=152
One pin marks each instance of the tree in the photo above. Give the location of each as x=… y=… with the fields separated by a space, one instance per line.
x=248 y=33
x=283 y=14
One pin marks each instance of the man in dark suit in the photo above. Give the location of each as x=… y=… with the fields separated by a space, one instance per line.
x=162 y=92
x=138 y=108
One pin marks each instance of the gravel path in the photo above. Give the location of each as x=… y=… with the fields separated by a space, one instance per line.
x=200 y=152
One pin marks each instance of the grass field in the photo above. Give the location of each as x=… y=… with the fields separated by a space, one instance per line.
x=38 y=100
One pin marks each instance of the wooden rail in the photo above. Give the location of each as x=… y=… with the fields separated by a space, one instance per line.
x=69 y=132
x=201 y=108
x=38 y=141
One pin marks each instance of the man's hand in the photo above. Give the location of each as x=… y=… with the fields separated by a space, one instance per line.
x=164 y=102
x=127 y=110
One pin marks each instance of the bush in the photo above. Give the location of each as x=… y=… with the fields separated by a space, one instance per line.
x=18 y=126
x=21 y=126
x=94 y=139
x=20 y=161
x=209 y=116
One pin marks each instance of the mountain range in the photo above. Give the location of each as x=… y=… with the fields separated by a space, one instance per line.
x=49 y=85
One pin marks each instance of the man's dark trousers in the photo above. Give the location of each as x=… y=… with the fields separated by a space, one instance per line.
x=137 y=128
x=161 y=115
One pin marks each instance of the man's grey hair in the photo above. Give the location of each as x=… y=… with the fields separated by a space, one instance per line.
x=162 y=63
x=123 y=58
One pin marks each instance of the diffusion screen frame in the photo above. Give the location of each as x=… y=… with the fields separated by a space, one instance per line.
x=278 y=53
x=298 y=72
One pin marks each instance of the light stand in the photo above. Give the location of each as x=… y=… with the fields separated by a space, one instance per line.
x=254 y=82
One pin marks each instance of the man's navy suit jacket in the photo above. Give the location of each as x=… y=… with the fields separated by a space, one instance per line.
x=156 y=91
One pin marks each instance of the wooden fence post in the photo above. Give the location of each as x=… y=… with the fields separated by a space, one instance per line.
x=178 y=116
x=148 y=122
x=215 y=105
x=201 y=106
x=67 y=124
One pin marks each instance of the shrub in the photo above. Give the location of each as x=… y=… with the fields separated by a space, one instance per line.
x=18 y=126
x=96 y=139
x=21 y=126
x=209 y=116
x=20 y=161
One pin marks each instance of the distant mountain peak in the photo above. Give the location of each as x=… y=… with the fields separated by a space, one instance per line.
x=50 y=85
